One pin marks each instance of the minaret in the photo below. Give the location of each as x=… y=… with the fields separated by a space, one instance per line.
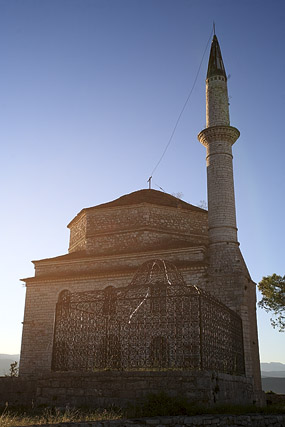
x=228 y=277
x=218 y=138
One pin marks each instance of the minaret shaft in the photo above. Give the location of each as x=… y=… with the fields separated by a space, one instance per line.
x=218 y=141
x=218 y=138
x=229 y=278
x=217 y=102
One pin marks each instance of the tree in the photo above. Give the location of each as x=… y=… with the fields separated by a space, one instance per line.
x=14 y=370
x=178 y=195
x=203 y=204
x=273 y=299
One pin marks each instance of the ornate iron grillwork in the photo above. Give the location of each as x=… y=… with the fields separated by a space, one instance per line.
x=157 y=322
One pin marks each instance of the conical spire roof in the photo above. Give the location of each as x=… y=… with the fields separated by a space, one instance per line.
x=216 y=65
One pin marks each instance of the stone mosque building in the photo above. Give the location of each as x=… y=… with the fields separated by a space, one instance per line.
x=151 y=288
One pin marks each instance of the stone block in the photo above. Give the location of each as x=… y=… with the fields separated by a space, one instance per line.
x=152 y=421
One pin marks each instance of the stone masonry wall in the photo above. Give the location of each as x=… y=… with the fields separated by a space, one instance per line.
x=78 y=234
x=217 y=102
x=248 y=420
x=107 y=388
x=133 y=228
x=17 y=392
x=106 y=264
x=231 y=283
x=138 y=240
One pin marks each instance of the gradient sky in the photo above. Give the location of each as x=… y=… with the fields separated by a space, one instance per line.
x=90 y=91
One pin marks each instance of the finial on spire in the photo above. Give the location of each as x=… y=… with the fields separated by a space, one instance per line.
x=214 y=28
x=149 y=182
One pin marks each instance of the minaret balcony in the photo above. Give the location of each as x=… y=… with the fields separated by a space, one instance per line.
x=226 y=134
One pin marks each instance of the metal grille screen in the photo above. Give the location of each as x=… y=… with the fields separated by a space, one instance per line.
x=157 y=322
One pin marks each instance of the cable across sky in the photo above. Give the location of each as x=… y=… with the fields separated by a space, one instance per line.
x=181 y=112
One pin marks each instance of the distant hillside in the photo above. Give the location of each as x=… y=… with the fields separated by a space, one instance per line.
x=272 y=370
x=277 y=385
x=5 y=362
x=272 y=367
x=10 y=356
x=274 y=374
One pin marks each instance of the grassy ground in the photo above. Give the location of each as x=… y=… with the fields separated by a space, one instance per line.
x=20 y=417
x=154 y=405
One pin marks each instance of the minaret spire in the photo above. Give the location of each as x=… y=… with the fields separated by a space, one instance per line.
x=217 y=100
x=216 y=64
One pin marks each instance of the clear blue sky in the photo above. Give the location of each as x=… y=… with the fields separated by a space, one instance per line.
x=89 y=93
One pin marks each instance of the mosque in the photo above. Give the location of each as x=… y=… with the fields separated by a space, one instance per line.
x=152 y=284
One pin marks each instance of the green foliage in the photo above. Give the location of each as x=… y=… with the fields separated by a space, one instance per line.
x=13 y=370
x=273 y=299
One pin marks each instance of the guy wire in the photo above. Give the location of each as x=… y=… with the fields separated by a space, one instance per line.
x=183 y=108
